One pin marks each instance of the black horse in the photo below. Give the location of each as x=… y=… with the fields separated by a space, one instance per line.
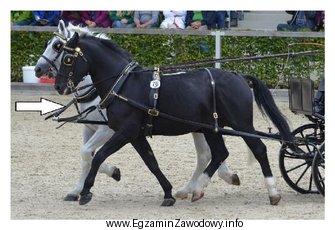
x=140 y=102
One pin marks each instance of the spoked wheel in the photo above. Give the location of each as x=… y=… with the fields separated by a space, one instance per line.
x=296 y=167
x=318 y=170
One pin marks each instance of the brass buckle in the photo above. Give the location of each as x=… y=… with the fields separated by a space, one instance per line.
x=153 y=112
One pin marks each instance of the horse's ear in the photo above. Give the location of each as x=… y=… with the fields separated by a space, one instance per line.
x=74 y=40
x=61 y=27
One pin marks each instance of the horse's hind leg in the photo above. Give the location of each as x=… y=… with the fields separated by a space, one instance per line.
x=143 y=148
x=203 y=157
x=259 y=150
x=219 y=154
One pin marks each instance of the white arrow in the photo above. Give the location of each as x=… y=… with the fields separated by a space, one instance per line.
x=43 y=106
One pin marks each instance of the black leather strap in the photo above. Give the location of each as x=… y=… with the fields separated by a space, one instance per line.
x=153 y=99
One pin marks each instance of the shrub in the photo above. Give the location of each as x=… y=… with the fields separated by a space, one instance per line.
x=150 y=50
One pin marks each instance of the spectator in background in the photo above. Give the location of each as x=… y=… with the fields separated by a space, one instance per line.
x=95 y=19
x=173 y=19
x=72 y=17
x=146 y=19
x=201 y=20
x=319 y=21
x=46 y=18
x=301 y=20
x=122 y=19
x=221 y=17
x=22 y=18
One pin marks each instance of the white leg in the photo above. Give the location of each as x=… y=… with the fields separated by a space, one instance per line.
x=93 y=142
x=227 y=175
x=203 y=157
x=202 y=183
x=274 y=196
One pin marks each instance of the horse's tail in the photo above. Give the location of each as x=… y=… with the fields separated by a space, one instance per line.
x=267 y=106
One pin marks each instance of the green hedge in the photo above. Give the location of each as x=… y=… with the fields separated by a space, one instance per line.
x=149 y=50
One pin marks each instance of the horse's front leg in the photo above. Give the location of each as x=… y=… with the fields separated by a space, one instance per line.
x=116 y=142
x=143 y=148
x=92 y=141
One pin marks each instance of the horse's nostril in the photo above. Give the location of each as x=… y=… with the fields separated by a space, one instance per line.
x=38 y=69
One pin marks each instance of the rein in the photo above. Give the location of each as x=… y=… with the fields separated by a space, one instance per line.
x=193 y=64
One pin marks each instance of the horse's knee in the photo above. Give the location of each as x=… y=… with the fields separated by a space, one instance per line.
x=86 y=154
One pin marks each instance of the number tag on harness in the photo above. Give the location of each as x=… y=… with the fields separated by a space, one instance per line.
x=155 y=84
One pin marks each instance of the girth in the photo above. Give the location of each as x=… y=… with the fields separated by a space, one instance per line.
x=153 y=98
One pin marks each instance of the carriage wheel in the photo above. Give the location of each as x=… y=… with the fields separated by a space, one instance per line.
x=318 y=170
x=296 y=168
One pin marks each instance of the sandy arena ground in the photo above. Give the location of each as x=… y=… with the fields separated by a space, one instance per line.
x=45 y=164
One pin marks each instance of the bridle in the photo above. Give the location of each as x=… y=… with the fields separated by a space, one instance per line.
x=58 y=48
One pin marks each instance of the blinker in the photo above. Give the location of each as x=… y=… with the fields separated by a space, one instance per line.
x=68 y=59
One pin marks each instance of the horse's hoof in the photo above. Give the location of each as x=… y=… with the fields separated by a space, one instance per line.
x=197 y=196
x=116 y=174
x=71 y=197
x=235 y=180
x=168 y=202
x=274 y=200
x=181 y=195
x=84 y=199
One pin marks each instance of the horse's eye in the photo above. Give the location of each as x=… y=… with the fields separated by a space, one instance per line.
x=58 y=46
x=68 y=59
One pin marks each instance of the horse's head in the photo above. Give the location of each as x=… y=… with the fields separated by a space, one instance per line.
x=49 y=62
x=73 y=66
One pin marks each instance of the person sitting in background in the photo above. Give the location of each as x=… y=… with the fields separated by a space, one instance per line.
x=95 y=19
x=146 y=19
x=122 y=19
x=46 y=18
x=200 y=20
x=72 y=17
x=301 y=20
x=221 y=17
x=319 y=21
x=22 y=18
x=173 y=19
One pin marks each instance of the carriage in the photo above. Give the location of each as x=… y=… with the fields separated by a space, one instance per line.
x=306 y=146
x=305 y=171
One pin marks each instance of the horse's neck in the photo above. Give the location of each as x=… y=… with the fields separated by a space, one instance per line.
x=86 y=81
